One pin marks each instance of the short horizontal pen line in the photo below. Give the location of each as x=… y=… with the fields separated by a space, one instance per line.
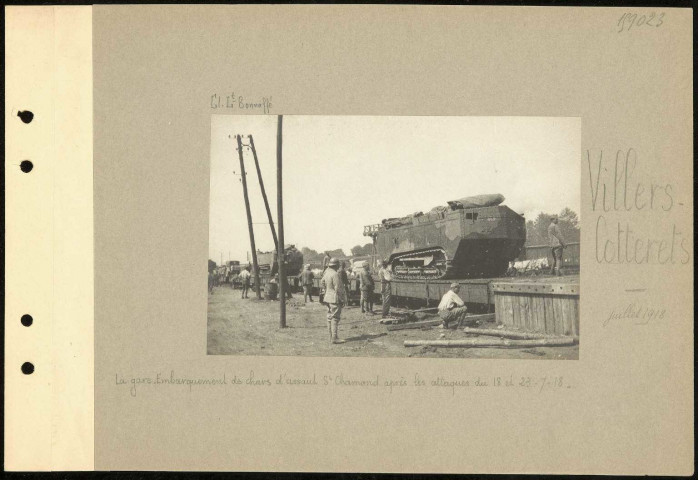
x=635 y=289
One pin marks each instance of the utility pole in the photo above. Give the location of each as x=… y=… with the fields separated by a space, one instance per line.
x=280 y=217
x=249 y=218
x=264 y=193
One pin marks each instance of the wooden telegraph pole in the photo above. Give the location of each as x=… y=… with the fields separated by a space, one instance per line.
x=280 y=217
x=264 y=194
x=249 y=218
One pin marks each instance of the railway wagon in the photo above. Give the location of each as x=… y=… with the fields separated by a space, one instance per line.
x=268 y=267
x=293 y=281
x=570 y=255
x=480 y=295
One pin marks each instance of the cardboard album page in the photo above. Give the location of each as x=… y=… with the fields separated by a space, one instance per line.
x=349 y=239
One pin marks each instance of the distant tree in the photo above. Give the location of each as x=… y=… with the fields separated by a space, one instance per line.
x=569 y=225
x=569 y=216
x=311 y=256
x=211 y=265
x=339 y=253
x=359 y=250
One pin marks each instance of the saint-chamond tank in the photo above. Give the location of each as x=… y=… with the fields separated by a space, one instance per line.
x=474 y=237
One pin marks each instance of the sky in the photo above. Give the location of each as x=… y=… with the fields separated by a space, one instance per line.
x=343 y=172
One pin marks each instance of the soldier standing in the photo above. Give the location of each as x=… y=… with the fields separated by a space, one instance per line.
x=335 y=298
x=386 y=277
x=366 y=283
x=245 y=281
x=307 y=283
x=557 y=244
x=343 y=275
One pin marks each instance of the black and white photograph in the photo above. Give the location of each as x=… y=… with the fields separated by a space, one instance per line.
x=393 y=236
x=397 y=206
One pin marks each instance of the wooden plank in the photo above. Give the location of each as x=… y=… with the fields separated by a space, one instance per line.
x=509 y=305
x=497 y=342
x=559 y=305
x=506 y=317
x=524 y=307
x=538 y=326
x=406 y=326
x=487 y=317
x=552 y=287
x=516 y=314
x=567 y=315
x=492 y=332
x=549 y=315
x=499 y=309
x=523 y=312
x=559 y=315
x=574 y=301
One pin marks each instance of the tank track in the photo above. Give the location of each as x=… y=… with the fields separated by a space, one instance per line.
x=427 y=273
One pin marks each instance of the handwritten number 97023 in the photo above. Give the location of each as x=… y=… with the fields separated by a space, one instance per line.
x=630 y=20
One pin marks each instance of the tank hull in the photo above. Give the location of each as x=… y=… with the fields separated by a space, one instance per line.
x=463 y=243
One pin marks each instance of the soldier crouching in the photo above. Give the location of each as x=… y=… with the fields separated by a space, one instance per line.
x=452 y=308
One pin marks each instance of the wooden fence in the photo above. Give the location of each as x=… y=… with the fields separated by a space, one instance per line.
x=550 y=307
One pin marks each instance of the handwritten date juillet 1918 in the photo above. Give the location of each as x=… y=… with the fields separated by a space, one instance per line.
x=238 y=102
x=635 y=314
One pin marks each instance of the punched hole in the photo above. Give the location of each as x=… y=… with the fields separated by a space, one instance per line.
x=27 y=320
x=26 y=166
x=26 y=116
x=27 y=368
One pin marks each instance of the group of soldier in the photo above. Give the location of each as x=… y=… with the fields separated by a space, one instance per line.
x=335 y=285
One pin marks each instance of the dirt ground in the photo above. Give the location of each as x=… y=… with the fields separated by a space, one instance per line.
x=251 y=327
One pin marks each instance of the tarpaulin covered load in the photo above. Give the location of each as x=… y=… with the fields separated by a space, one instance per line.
x=489 y=200
x=476 y=201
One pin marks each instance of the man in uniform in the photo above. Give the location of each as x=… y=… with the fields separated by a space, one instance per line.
x=271 y=292
x=307 y=283
x=287 y=287
x=366 y=284
x=556 y=245
x=386 y=277
x=325 y=261
x=452 y=308
x=343 y=275
x=245 y=277
x=335 y=298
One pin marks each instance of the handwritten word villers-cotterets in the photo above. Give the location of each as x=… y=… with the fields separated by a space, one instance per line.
x=615 y=192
